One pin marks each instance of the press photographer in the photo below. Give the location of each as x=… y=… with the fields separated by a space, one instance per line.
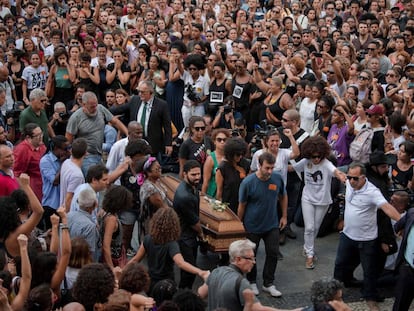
x=58 y=121
x=225 y=117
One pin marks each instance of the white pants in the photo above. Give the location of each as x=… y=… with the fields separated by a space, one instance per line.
x=312 y=216
x=189 y=111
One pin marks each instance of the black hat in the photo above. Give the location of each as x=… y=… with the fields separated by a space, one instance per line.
x=379 y=157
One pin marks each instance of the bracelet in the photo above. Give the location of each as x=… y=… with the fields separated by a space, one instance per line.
x=64 y=226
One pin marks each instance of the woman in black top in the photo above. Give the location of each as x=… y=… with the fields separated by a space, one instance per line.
x=231 y=171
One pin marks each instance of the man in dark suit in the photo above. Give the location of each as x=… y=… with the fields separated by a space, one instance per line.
x=154 y=116
x=404 y=293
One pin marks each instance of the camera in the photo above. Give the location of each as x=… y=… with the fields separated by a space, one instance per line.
x=260 y=132
x=14 y=114
x=64 y=115
x=191 y=94
x=227 y=109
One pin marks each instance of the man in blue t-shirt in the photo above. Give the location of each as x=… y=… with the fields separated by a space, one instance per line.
x=258 y=197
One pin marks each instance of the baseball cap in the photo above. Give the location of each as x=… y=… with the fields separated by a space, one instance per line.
x=375 y=109
x=379 y=157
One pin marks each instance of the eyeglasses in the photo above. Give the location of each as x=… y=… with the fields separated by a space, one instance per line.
x=355 y=178
x=36 y=29
x=363 y=78
x=316 y=156
x=211 y=60
x=264 y=48
x=142 y=91
x=233 y=60
x=67 y=148
x=253 y=259
x=221 y=140
x=24 y=30
x=216 y=71
x=221 y=31
x=37 y=135
x=321 y=106
x=275 y=11
x=192 y=68
x=200 y=128
x=285 y=120
x=331 y=72
x=295 y=37
x=44 y=101
x=406 y=35
x=390 y=75
x=371 y=49
x=369 y=115
x=330 y=8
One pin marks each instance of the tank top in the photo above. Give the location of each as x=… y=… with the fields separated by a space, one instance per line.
x=241 y=93
x=277 y=111
x=62 y=78
x=218 y=92
x=212 y=186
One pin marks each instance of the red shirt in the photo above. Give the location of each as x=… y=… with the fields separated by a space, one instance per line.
x=7 y=184
x=27 y=159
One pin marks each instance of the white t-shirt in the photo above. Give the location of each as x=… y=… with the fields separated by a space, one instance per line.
x=307 y=114
x=361 y=212
x=318 y=179
x=281 y=165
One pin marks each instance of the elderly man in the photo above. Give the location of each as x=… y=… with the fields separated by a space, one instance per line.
x=89 y=123
x=35 y=113
x=154 y=116
x=226 y=286
x=81 y=224
x=8 y=183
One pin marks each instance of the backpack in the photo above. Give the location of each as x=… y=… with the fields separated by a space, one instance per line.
x=360 y=148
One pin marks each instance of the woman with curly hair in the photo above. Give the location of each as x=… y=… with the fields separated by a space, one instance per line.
x=117 y=199
x=316 y=197
x=162 y=248
x=94 y=284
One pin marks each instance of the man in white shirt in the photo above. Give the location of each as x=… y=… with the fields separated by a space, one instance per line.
x=358 y=242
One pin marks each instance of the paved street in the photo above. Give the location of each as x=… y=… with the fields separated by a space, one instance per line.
x=294 y=281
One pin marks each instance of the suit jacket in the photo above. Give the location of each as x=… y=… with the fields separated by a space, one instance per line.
x=405 y=223
x=159 y=133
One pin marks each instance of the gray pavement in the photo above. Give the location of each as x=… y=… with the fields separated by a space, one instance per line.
x=294 y=280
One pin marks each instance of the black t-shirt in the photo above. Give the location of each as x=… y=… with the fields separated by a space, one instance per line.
x=160 y=259
x=190 y=150
x=187 y=206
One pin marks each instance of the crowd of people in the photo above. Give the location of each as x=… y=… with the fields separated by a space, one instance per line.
x=282 y=110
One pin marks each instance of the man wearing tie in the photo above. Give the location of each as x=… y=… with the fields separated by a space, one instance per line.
x=153 y=114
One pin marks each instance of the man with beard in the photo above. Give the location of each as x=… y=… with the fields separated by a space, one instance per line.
x=89 y=123
x=259 y=194
x=187 y=205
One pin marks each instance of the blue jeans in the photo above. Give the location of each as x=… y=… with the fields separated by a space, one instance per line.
x=271 y=242
x=349 y=255
x=89 y=160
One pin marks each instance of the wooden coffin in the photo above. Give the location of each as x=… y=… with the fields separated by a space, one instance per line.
x=221 y=228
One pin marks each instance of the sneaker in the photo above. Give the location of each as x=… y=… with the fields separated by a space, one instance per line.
x=130 y=252
x=272 y=291
x=309 y=264
x=254 y=288
x=289 y=233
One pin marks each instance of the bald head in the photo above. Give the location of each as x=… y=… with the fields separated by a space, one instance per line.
x=4 y=73
x=74 y=306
